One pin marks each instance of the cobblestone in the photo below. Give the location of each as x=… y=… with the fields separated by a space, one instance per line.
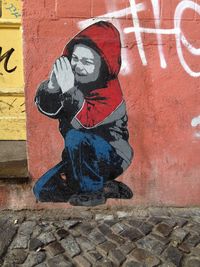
x=195 y=251
x=162 y=240
x=9 y=264
x=104 y=263
x=82 y=262
x=135 y=222
x=34 y=259
x=118 y=240
x=97 y=237
x=193 y=240
x=43 y=264
x=105 y=247
x=155 y=220
x=184 y=248
x=168 y=264
x=179 y=235
x=21 y=241
x=105 y=229
x=47 y=238
x=62 y=233
x=170 y=222
x=119 y=227
x=84 y=228
x=133 y=264
x=117 y=257
x=151 y=244
x=127 y=247
x=104 y=217
x=196 y=228
x=93 y=256
x=7 y=232
x=174 y=255
x=70 y=223
x=59 y=261
x=145 y=228
x=35 y=243
x=132 y=234
x=85 y=244
x=196 y=219
x=17 y=256
x=71 y=246
x=123 y=214
x=181 y=222
x=145 y=257
x=37 y=231
x=27 y=228
x=55 y=248
x=102 y=239
x=139 y=254
x=192 y=262
x=163 y=229
x=111 y=222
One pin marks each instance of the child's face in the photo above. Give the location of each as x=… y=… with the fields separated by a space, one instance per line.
x=85 y=63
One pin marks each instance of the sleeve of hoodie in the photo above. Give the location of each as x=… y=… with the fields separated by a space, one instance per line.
x=53 y=103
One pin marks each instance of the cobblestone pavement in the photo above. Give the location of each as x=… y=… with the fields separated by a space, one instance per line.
x=100 y=237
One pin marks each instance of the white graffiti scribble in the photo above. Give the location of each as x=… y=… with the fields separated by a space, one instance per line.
x=156 y=11
x=195 y=123
x=114 y=14
x=180 y=38
x=125 y=68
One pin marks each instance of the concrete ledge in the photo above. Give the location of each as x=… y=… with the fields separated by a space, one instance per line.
x=13 y=160
x=13 y=169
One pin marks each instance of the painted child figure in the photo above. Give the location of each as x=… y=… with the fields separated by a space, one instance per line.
x=84 y=94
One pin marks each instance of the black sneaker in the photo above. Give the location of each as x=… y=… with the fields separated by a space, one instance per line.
x=88 y=199
x=115 y=189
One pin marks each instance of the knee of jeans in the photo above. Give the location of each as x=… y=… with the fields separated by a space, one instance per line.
x=102 y=148
x=74 y=138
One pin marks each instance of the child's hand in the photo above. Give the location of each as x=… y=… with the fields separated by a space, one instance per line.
x=53 y=84
x=63 y=74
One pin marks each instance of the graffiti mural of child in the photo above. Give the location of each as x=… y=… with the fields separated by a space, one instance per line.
x=84 y=94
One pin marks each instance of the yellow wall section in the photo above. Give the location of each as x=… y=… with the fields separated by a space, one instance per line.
x=12 y=118
x=12 y=115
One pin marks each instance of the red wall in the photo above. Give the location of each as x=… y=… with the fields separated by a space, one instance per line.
x=162 y=102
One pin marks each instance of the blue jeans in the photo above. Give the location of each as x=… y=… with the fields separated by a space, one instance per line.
x=89 y=161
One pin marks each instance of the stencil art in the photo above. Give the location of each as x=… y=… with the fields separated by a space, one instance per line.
x=83 y=92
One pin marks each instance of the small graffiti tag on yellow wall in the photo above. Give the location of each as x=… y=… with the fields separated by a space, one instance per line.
x=11 y=9
x=12 y=115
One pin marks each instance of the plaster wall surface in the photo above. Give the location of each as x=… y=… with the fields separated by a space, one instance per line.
x=160 y=79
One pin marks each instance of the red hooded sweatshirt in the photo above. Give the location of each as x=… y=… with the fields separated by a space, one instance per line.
x=103 y=101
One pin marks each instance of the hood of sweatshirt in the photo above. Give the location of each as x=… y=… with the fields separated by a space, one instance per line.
x=100 y=102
